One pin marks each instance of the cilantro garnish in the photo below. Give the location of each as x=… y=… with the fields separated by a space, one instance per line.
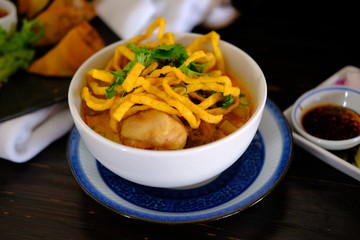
x=228 y=100
x=175 y=54
x=182 y=86
x=142 y=55
x=169 y=54
x=119 y=79
x=193 y=69
x=15 y=49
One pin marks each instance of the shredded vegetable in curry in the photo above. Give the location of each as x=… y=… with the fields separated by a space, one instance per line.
x=188 y=84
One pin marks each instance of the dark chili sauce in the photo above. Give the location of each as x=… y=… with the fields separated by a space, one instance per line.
x=331 y=122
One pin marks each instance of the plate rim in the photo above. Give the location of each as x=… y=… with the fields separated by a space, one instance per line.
x=279 y=173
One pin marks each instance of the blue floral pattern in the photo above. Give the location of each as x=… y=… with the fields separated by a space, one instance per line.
x=231 y=183
x=249 y=180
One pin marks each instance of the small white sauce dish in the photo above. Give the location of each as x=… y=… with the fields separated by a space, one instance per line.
x=9 y=21
x=341 y=96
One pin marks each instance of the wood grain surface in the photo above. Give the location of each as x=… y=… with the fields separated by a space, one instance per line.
x=298 y=45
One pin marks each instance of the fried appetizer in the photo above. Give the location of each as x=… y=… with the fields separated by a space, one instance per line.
x=30 y=8
x=61 y=16
x=67 y=56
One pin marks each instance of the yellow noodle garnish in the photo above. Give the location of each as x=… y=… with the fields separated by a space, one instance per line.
x=98 y=104
x=154 y=84
x=129 y=82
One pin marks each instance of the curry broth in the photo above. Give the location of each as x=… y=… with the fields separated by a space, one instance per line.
x=99 y=121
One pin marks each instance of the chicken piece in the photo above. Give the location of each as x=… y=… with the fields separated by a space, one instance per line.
x=153 y=129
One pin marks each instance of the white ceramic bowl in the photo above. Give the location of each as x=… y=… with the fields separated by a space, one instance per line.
x=9 y=21
x=176 y=168
x=338 y=95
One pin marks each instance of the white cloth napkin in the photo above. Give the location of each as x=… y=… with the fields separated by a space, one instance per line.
x=129 y=18
x=24 y=137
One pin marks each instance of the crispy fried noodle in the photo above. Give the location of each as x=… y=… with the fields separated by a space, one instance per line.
x=186 y=82
x=162 y=85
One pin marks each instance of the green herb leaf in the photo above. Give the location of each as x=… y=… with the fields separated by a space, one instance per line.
x=15 y=50
x=228 y=100
x=119 y=79
x=174 y=54
x=190 y=70
x=197 y=67
x=182 y=86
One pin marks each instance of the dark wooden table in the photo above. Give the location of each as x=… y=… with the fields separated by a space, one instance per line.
x=298 y=45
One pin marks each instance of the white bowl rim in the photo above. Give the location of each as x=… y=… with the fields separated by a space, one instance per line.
x=146 y=152
x=10 y=17
x=10 y=9
x=328 y=144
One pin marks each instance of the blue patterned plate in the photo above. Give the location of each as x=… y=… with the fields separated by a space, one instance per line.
x=246 y=182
